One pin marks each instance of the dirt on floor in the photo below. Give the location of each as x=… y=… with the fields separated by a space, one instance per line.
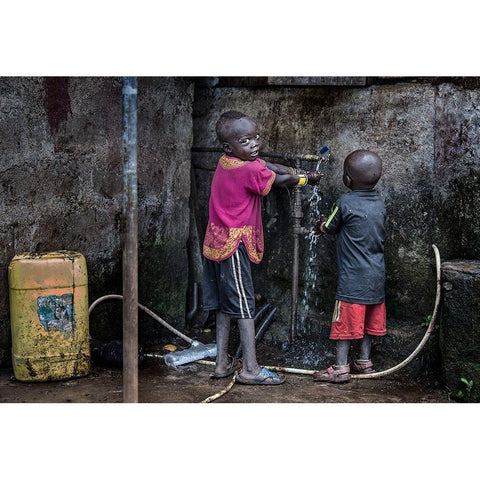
x=191 y=383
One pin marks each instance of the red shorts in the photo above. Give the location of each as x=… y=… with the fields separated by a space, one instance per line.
x=351 y=320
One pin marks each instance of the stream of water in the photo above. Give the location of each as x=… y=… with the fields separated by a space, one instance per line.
x=311 y=294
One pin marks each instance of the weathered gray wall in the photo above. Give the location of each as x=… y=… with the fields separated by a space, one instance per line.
x=457 y=172
x=61 y=187
x=427 y=134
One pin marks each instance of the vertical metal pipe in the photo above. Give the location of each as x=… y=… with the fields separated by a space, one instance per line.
x=293 y=314
x=130 y=241
x=297 y=216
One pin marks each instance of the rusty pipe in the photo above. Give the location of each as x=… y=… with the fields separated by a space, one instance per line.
x=298 y=230
x=130 y=241
x=297 y=215
x=290 y=157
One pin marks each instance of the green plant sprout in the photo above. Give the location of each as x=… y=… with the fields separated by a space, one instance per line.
x=469 y=385
x=427 y=321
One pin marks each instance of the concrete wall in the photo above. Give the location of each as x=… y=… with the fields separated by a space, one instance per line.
x=61 y=187
x=427 y=134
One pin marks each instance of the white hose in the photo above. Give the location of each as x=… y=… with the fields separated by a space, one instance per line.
x=146 y=310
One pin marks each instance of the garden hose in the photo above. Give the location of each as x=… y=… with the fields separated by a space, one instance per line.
x=146 y=310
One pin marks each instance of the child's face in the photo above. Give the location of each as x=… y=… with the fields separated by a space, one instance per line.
x=243 y=140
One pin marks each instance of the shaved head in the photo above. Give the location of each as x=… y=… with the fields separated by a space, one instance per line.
x=362 y=169
x=223 y=125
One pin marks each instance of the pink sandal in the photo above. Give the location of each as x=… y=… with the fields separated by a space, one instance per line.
x=332 y=375
x=363 y=367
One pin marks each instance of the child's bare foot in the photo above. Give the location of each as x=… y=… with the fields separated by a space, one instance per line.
x=224 y=369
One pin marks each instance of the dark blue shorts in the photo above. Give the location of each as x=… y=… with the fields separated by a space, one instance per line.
x=228 y=285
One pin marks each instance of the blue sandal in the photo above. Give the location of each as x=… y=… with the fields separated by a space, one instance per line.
x=265 y=377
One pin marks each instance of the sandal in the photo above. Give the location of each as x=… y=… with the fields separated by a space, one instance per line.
x=332 y=375
x=363 y=367
x=265 y=377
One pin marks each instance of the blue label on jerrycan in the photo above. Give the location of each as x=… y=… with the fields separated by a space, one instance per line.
x=56 y=313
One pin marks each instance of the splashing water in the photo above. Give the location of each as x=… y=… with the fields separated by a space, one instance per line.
x=311 y=294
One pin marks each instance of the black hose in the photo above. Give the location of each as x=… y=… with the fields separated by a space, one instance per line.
x=255 y=321
x=260 y=331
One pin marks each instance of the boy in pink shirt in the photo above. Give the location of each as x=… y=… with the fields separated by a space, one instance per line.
x=234 y=238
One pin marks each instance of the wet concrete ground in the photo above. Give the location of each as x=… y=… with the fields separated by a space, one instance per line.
x=159 y=383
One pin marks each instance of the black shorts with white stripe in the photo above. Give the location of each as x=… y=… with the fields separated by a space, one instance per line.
x=228 y=285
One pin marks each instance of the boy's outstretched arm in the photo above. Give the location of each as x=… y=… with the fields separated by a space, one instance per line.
x=289 y=177
x=280 y=169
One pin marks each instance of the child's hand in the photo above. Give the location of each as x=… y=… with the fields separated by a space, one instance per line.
x=314 y=177
x=317 y=229
x=316 y=232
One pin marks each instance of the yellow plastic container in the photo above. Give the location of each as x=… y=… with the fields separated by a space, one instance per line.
x=49 y=316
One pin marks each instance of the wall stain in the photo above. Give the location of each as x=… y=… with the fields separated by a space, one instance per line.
x=57 y=103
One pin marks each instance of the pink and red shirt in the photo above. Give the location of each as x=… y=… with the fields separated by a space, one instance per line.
x=235 y=208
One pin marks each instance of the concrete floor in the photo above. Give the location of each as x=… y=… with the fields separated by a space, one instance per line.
x=191 y=384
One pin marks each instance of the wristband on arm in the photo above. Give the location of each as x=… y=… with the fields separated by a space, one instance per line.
x=303 y=180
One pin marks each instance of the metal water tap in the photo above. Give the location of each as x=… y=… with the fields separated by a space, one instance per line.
x=297 y=212
x=299 y=230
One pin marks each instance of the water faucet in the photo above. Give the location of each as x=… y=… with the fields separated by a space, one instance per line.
x=299 y=230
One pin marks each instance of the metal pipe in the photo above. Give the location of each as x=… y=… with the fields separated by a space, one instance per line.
x=291 y=157
x=297 y=215
x=298 y=230
x=130 y=241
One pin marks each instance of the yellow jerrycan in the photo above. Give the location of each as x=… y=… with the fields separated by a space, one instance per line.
x=49 y=316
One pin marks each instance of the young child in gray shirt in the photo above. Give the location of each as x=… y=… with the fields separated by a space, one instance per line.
x=357 y=219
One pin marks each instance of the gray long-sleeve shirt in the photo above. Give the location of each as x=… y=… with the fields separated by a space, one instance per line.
x=358 y=219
